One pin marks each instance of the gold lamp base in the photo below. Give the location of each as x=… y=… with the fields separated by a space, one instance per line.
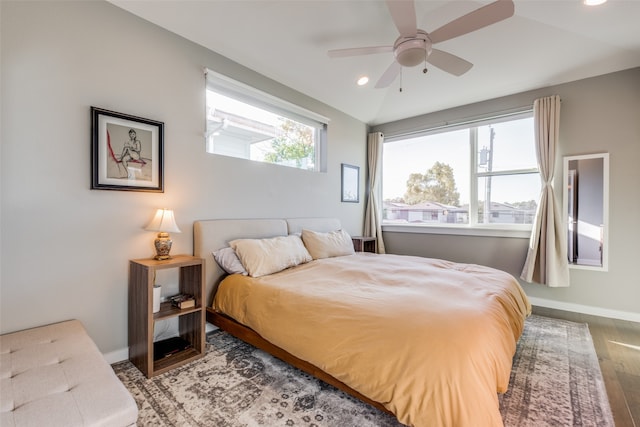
x=163 y=246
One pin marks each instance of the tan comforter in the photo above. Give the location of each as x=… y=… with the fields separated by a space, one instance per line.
x=430 y=339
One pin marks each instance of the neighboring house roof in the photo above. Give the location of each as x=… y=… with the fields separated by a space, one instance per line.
x=424 y=206
x=498 y=206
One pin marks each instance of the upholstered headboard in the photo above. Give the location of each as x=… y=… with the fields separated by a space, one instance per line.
x=213 y=234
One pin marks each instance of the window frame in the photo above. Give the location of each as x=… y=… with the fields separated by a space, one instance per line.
x=473 y=227
x=250 y=95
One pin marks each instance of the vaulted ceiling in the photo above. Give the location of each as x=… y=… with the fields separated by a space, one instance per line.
x=544 y=43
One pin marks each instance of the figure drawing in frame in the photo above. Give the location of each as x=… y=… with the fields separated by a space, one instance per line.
x=127 y=153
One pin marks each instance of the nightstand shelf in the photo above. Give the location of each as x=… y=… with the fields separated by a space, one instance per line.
x=191 y=321
x=364 y=244
x=167 y=311
x=167 y=363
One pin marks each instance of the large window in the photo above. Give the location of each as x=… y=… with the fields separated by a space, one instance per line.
x=482 y=174
x=247 y=123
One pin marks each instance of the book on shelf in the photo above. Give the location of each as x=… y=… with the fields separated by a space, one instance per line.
x=183 y=301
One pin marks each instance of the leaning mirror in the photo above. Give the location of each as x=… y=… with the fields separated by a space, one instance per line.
x=586 y=210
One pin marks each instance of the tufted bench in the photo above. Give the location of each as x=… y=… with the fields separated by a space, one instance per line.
x=55 y=375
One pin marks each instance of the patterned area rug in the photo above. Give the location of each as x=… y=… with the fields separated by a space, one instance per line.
x=555 y=381
x=555 y=378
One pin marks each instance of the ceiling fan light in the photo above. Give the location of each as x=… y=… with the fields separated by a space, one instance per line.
x=411 y=52
x=411 y=57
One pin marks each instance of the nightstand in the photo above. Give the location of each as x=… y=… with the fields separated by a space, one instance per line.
x=364 y=244
x=191 y=321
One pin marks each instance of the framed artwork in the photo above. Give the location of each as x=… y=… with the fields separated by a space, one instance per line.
x=350 y=183
x=126 y=152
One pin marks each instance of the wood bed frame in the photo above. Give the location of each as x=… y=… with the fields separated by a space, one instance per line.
x=211 y=235
x=250 y=336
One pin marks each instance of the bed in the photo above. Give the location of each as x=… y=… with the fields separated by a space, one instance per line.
x=430 y=341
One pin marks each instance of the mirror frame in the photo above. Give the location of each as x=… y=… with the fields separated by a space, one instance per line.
x=605 y=207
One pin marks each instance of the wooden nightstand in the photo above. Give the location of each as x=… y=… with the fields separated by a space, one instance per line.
x=364 y=244
x=191 y=321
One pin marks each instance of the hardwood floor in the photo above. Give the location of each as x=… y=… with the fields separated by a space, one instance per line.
x=617 y=344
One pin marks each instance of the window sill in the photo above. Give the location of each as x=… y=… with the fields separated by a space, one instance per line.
x=521 y=232
x=588 y=267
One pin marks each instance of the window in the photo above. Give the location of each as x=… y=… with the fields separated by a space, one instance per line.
x=482 y=174
x=244 y=122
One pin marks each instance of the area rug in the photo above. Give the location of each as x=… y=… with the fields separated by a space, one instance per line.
x=555 y=381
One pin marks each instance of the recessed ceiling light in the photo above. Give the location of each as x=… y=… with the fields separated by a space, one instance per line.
x=363 y=80
x=593 y=2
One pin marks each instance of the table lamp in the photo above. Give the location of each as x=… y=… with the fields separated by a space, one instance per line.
x=163 y=223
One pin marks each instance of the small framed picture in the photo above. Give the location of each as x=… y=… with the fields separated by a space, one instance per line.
x=350 y=183
x=126 y=152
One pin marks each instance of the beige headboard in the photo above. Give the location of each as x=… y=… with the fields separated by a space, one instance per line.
x=213 y=234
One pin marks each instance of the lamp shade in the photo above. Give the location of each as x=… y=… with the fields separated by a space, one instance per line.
x=163 y=221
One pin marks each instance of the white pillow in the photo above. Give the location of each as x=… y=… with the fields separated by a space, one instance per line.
x=266 y=256
x=327 y=245
x=229 y=261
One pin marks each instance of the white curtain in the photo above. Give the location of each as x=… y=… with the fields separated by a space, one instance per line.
x=372 y=220
x=546 y=261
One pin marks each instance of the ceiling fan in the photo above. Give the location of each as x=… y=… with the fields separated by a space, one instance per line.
x=414 y=46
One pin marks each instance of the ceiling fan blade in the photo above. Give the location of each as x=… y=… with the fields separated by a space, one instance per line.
x=389 y=76
x=355 y=51
x=447 y=62
x=403 y=13
x=479 y=18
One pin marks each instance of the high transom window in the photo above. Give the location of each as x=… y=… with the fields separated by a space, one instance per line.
x=244 y=122
x=479 y=174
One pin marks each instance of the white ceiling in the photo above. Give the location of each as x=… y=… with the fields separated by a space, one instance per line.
x=544 y=43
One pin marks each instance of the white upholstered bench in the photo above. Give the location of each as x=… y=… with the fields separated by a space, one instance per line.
x=55 y=375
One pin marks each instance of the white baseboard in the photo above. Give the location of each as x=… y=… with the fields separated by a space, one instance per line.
x=117 y=356
x=586 y=309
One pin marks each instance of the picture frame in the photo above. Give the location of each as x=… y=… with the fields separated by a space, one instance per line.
x=127 y=152
x=350 y=183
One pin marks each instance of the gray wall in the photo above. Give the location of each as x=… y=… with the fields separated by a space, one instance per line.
x=65 y=248
x=598 y=115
